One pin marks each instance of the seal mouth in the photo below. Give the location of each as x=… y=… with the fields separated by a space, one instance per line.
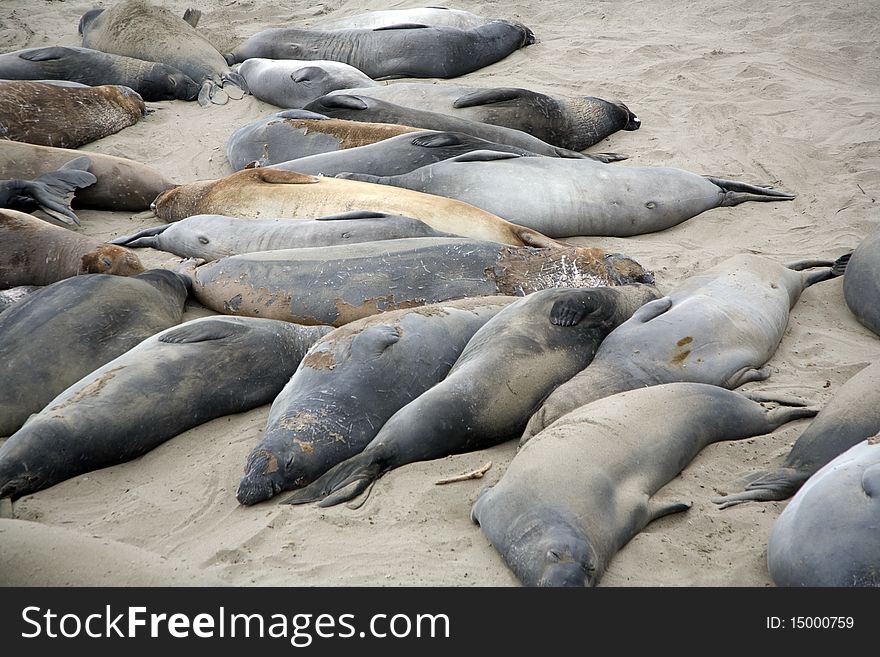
x=252 y=491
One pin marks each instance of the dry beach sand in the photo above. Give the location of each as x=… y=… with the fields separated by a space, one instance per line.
x=778 y=93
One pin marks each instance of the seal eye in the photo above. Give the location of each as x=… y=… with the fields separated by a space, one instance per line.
x=203 y=239
x=553 y=555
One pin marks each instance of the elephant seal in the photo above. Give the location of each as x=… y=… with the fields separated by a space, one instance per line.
x=365 y=108
x=37 y=253
x=719 y=327
x=293 y=134
x=136 y=28
x=509 y=366
x=395 y=51
x=263 y=192
x=339 y=284
x=49 y=192
x=65 y=117
x=349 y=384
x=213 y=236
x=861 y=285
x=573 y=123
x=581 y=489
x=433 y=16
x=151 y=80
x=13 y=295
x=122 y=184
x=827 y=535
x=589 y=198
x=852 y=415
x=215 y=366
x=293 y=83
x=62 y=332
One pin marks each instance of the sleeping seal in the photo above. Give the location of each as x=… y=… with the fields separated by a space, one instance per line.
x=508 y=367
x=582 y=488
x=861 y=285
x=434 y=16
x=171 y=382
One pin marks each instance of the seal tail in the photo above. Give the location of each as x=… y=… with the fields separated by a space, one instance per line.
x=341 y=483
x=144 y=238
x=736 y=192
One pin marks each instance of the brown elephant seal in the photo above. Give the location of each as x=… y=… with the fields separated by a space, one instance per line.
x=122 y=184
x=171 y=382
x=852 y=415
x=151 y=80
x=434 y=16
x=139 y=29
x=827 y=535
x=339 y=284
x=589 y=198
x=861 y=285
x=50 y=192
x=583 y=487
x=719 y=327
x=64 y=331
x=37 y=253
x=213 y=236
x=395 y=51
x=507 y=368
x=349 y=384
x=293 y=134
x=65 y=117
x=574 y=123
x=263 y=192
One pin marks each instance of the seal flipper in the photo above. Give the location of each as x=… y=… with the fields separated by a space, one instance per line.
x=569 y=311
x=282 y=177
x=51 y=191
x=658 y=509
x=301 y=114
x=143 y=238
x=341 y=483
x=772 y=487
x=652 y=310
x=437 y=140
x=192 y=16
x=343 y=101
x=401 y=26
x=308 y=74
x=736 y=192
x=834 y=269
x=236 y=79
x=354 y=214
x=871 y=481
x=485 y=155
x=203 y=331
x=46 y=54
x=487 y=97
x=372 y=341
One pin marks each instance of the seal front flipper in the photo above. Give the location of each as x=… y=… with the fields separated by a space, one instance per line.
x=658 y=509
x=569 y=311
x=487 y=97
x=300 y=114
x=483 y=156
x=204 y=331
x=652 y=310
x=143 y=238
x=46 y=54
x=373 y=341
x=354 y=214
x=283 y=177
x=342 y=101
x=401 y=26
x=747 y=375
x=236 y=79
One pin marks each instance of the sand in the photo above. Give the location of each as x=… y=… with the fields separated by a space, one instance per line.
x=782 y=94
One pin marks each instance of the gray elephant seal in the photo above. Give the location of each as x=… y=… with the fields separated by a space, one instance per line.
x=293 y=134
x=826 y=536
x=581 y=489
x=852 y=415
x=50 y=192
x=365 y=108
x=62 y=332
x=396 y=51
x=434 y=16
x=589 y=198
x=65 y=117
x=350 y=383
x=505 y=371
x=719 y=327
x=861 y=285
x=136 y=28
x=212 y=236
x=151 y=80
x=37 y=253
x=574 y=123
x=122 y=184
x=293 y=83
x=214 y=366
x=339 y=284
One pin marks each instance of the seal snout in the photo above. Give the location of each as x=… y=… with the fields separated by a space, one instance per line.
x=260 y=481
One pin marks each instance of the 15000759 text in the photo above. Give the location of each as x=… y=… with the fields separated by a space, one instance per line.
x=810 y=623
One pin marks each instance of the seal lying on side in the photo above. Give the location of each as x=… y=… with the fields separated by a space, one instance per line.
x=435 y=16
x=262 y=192
x=62 y=332
x=152 y=80
x=122 y=184
x=214 y=366
x=293 y=83
x=589 y=198
x=574 y=123
x=719 y=327
x=364 y=108
x=827 y=535
x=508 y=367
x=339 y=284
x=50 y=192
x=861 y=285
x=396 y=51
x=292 y=134
x=66 y=117
x=213 y=236
x=578 y=492
x=852 y=415
x=136 y=28
x=350 y=383
x=37 y=253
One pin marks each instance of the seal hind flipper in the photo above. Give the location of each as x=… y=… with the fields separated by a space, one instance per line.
x=736 y=192
x=832 y=269
x=46 y=54
x=771 y=487
x=142 y=238
x=192 y=16
x=487 y=97
x=236 y=79
x=840 y=265
x=204 y=331
x=51 y=191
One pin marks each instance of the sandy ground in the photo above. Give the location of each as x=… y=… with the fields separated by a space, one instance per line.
x=782 y=94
